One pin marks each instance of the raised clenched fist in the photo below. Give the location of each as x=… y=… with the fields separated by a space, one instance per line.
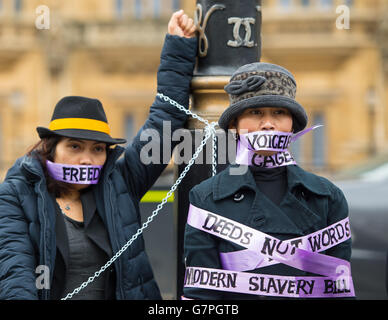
x=181 y=25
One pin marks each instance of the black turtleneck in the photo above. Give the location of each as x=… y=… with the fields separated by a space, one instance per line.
x=272 y=182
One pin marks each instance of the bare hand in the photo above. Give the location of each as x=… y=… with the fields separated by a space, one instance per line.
x=181 y=25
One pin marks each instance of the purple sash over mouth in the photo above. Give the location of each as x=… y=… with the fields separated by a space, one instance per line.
x=276 y=141
x=266 y=140
x=74 y=174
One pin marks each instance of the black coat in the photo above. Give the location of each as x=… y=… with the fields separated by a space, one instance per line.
x=386 y=274
x=311 y=203
x=27 y=211
x=95 y=230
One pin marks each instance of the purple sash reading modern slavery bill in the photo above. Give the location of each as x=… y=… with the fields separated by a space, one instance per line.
x=263 y=250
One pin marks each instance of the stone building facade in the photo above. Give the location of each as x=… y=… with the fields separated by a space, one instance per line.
x=110 y=50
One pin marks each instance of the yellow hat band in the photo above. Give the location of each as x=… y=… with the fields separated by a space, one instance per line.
x=80 y=123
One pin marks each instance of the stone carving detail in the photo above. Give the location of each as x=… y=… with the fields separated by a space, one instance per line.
x=238 y=41
x=203 y=41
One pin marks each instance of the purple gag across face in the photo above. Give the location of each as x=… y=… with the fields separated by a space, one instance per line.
x=74 y=174
x=266 y=140
x=276 y=141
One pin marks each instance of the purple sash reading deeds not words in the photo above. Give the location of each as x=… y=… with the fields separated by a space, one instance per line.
x=262 y=250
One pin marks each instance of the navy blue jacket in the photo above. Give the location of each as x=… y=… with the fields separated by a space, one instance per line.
x=311 y=203
x=27 y=211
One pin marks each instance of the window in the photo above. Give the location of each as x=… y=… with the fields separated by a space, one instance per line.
x=285 y=4
x=138 y=9
x=305 y=3
x=175 y=5
x=296 y=151
x=17 y=5
x=145 y=9
x=129 y=128
x=157 y=8
x=326 y=4
x=119 y=8
x=319 y=142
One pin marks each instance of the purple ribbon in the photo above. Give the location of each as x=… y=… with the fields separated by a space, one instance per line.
x=276 y=141
x=269 y=285
x=333 y=269
x=324 y=239
x=247 y=157
x=266 y=140
x=74 y=174
x=268 y=246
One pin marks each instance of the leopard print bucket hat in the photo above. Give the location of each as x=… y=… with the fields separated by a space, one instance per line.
x=259 y=85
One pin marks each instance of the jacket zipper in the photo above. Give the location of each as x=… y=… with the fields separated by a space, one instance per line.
x=45 y=293
x=119 y=273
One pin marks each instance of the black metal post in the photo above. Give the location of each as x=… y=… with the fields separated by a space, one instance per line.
x=229 y=37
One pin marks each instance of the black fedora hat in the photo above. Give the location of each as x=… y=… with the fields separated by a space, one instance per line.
x=79 y=118
x=258 y=85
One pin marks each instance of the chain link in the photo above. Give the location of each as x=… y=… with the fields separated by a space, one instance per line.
x=214 y=162
x=182 y=108
x=188 y=112
x=210 y=131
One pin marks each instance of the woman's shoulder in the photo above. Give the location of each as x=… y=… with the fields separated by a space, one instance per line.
x=204 y=188
x=316 y=183
x=24 y=172
x=209 y=189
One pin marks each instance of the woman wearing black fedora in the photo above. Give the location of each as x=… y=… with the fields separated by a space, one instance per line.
x=71 y=203
x=264 y=227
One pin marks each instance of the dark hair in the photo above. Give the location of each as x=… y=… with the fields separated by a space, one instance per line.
x=45 y=150
x=233 y=123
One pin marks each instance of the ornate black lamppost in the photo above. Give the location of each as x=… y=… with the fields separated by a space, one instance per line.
x=229 y=37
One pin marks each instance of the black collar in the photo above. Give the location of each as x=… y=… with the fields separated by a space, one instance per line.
x=227 y=183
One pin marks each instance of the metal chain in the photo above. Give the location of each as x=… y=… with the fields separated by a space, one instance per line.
x=188 y=112
x=209 y=132
x=214 y=162
x=182 y=108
